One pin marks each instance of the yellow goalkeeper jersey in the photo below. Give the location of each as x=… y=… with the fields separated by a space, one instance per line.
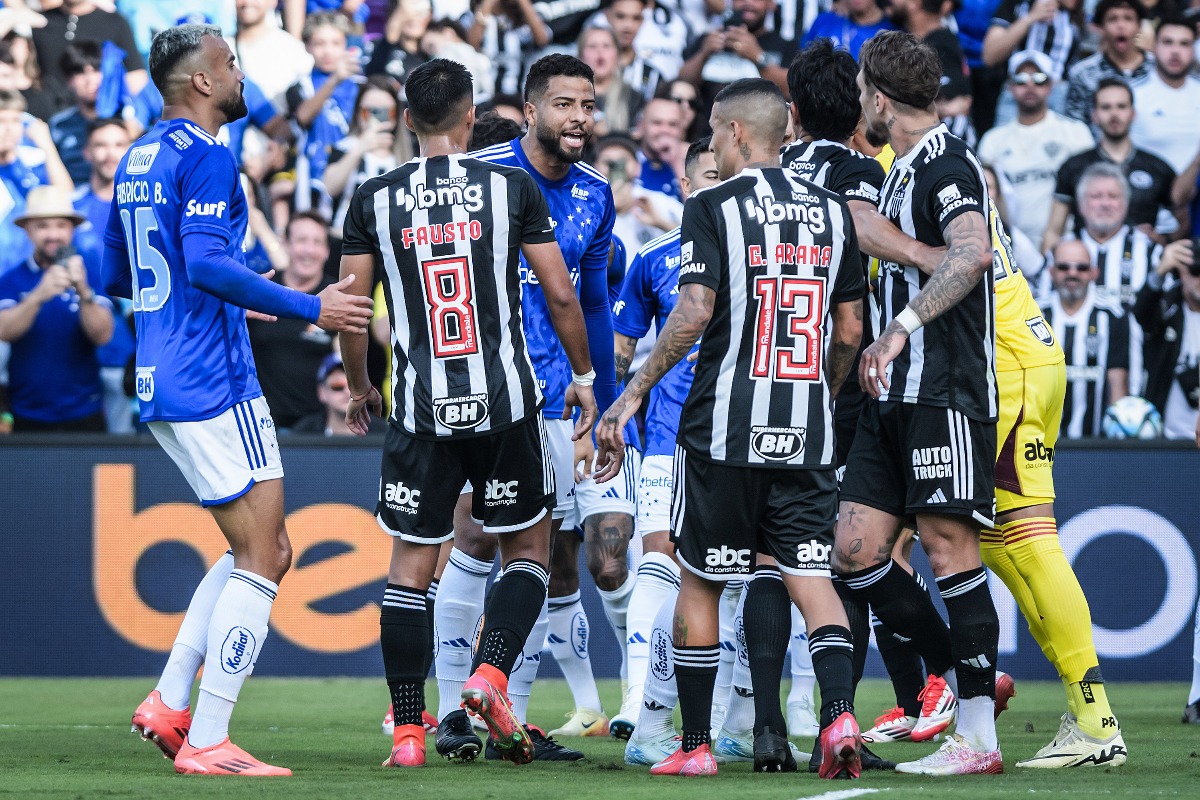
x=1023 y=337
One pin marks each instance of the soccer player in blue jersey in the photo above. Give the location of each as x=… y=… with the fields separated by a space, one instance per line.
x=649 y=293
x=173 y=245
x=560 y=116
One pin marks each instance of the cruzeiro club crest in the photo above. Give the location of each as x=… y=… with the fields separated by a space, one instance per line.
x=1041 y=330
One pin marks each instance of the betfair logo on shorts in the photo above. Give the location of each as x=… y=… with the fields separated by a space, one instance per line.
x=777 y=444
x=500 y=493
x=399 y=497
x=932 y=462
x=461 y=413
x=813 y=552
x=1037 y=451
x=726 y=559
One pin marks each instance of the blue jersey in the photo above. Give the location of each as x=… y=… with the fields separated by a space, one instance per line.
x=650 y=292
x=193 y=351
x=845 y=33
x=148 y=108
x=581 y=205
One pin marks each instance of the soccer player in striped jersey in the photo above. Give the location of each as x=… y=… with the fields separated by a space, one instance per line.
x=648 y=295
x=174 y=246
x=448 y=230
x=925 y=447
x=769 y=266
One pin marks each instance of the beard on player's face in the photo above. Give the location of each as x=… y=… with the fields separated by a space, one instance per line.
x=234 y=106
x=550 y=139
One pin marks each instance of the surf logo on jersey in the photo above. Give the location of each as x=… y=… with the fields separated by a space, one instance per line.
x=195 y=209
x=461 y=413
x=777 y=444
x=447 y=192
x=1039 y=328
x=770 y=211
x=141 y=157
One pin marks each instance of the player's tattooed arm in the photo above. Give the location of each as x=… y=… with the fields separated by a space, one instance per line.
x=843 y=345
x=684 y=327
x=967 y=259
x=623 y=350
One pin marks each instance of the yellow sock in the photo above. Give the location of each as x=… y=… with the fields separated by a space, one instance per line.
x=991 y=547
x=1032 y=545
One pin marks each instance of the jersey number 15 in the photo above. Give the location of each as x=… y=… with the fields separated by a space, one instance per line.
x=144 y=256
x=793 y=353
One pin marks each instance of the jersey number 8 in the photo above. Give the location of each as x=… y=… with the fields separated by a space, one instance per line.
x=451 y=302
x=144 y=256
x=793 y=354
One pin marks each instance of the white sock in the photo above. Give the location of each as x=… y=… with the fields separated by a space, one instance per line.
x=634 y=553
x=727 y=614
x=235 y=638
x=977 y=723
x=951 y=679
x=803 y=677
x=567 y=637
x=520 y=682
x=456 y=615
x=657 y=579
x=660 y=694
x=616 y=608
x=739 y=714
x=187 y=654
x=1194 y=693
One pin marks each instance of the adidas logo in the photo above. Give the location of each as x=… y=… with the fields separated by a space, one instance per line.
x=937 y=497
x=612 y=492
x=459 y=642
x=978 y=662
x=552 y=639
x=637 y=638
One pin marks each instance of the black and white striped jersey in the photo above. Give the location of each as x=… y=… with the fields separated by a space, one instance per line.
x=1124 y=262
x=951 y=362
x=1095 y=339
x=833 y=166
x=779 y=252
x=446 y=232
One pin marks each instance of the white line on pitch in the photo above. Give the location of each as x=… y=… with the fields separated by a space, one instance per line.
x=844 y=794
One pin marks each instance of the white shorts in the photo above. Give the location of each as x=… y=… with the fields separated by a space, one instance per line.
x=222 y=457
x=562 y=456
x=616 y=496
x=654 y=494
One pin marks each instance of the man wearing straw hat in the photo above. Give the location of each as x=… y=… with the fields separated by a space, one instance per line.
x=55 y=317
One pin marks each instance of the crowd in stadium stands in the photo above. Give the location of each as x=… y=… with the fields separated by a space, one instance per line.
x=1086 y=113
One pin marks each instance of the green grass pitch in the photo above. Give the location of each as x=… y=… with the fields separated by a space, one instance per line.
x=69 y=738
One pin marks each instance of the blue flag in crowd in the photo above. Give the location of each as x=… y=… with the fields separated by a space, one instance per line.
x=113 y=95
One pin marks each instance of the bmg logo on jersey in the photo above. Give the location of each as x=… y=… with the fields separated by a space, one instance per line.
x=468 y=195
x=399 y=497
x=777 y=444
x=237 y=651
x=500 y=493
x=771 y=211
x=725 y=559
x=461 y=413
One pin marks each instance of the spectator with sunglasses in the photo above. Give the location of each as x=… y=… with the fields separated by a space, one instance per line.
x=1118 y=56
x=1030 y=150
x=1094 y=332
x=685 y=95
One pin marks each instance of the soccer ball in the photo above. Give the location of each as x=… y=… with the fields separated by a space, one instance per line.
x=1132 y=417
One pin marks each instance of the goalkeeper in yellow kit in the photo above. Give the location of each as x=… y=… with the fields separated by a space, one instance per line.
x=1023 y=548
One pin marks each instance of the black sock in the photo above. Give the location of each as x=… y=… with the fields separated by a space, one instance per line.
x=900 y=603
x=430 y=600
x=768 y=631
x=974 y=631
x=406 y=640
x=695 y=675
x=904 y=667
x=859 y=617
x=512 y=609
x=833 y=662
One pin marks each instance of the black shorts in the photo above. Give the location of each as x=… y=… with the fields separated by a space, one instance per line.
x=721 y=516
x=910 y=459
x=422 y=479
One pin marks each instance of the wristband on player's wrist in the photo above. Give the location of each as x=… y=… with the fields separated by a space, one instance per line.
x=586 y=379
x=909 y=320
x=359 y=399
